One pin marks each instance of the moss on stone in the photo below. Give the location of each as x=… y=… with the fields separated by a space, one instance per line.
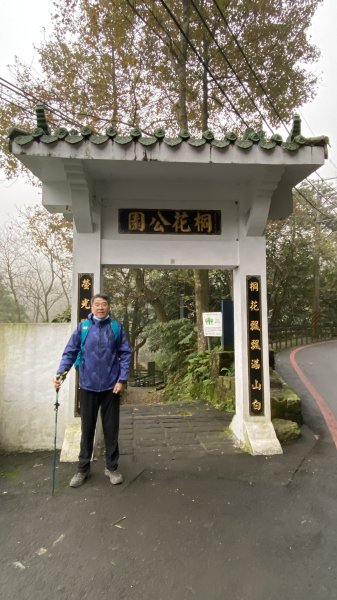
x=286 y=431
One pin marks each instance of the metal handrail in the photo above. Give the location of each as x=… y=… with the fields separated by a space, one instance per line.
x=281 y=338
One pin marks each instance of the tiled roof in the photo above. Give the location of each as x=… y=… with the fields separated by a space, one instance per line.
x=250 y=138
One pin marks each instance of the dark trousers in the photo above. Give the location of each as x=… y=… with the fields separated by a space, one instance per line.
x=90 y=402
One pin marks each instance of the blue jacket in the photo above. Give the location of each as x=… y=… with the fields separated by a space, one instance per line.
x=104 y=362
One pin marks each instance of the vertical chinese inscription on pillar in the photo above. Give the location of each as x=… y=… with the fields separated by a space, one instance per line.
x=85 y=287
x=255 y=361
x=85 y=293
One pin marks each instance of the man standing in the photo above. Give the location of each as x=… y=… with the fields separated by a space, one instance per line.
x=103 y=358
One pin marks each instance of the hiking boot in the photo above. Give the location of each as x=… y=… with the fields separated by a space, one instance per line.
x=115 y=477
x=78 y=479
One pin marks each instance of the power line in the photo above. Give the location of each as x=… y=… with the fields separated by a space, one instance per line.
x=25 y=94
x=9 y=99
x=257 y=79
x=200 y=59
x=247 y=61
x=161 y=25
x=231 y=66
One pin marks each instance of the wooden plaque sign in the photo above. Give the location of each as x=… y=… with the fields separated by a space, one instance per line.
x=162 y=221
x=255 y=360
x=85 y=293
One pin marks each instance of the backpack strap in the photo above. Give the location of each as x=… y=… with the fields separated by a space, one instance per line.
x=116 y=330
x=85 y=326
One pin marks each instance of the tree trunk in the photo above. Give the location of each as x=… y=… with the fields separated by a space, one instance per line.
x=182 y=67
x=205 y=91
x=150 y=296
x=201 y=286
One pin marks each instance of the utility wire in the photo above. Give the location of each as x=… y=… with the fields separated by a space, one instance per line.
x=215 y=2
x=161 y=25
x=14 y=88
x=246 y=60
x=200 y=59
x=9 y=99
x=30 y=98
x=251 y=68
x=231 y=66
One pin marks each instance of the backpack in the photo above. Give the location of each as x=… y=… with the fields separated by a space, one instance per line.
x=85 y=326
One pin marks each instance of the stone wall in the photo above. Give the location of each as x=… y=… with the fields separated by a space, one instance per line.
x=29 y=357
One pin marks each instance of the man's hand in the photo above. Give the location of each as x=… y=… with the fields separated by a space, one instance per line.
x=59 y=379
x=119 y=387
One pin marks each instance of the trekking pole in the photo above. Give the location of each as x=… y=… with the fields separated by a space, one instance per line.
x=56 y=405
x=61 y=376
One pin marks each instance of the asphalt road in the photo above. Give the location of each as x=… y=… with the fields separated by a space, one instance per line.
x=222 y=526
x=312 y=372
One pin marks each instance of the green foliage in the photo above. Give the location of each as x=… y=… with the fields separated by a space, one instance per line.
x=198 y=380
x=199 y=366
x=63 y=317
x=173 y=342
x=191 y=376
x=9 y=310
x=297 y=247
x=202 y=381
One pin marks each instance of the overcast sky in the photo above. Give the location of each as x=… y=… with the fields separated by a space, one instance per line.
x=23 y=23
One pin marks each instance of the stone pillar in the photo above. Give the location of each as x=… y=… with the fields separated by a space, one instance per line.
x=254 y=432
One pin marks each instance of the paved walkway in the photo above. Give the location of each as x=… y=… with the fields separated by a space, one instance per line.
x=171 y=431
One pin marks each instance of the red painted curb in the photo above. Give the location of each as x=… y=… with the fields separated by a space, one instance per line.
x=327 y=413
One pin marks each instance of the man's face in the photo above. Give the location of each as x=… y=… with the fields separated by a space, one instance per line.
x=100 y=308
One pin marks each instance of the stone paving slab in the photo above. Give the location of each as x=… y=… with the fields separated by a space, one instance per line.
x=171 y=431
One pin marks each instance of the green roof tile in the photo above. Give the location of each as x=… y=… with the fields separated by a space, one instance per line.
x=111 y=132
x=74 y=138
x=123 y=139
x=220 y=143
x=61 y=133
x=86 y=131
x=244 y=144
x=184 y=134
x=196 y=142
x=22 y=140
x=208 y=135
x=267 y=145
x=49 y=139
x=148 y=141
x=172 y=141
x=159 y=133
x=290 y=146
x=42 y=134
x=231 y=136
x=98 y=139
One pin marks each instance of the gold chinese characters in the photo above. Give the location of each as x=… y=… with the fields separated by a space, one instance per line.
x=164 y=221
x=255 y=365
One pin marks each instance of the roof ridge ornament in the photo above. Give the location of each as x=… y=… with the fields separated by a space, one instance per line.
x=41 y=121
x=295 y=130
